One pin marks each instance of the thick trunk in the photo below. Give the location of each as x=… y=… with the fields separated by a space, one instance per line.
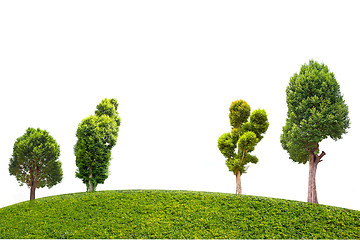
x=32 y=191
x=238 y=183
x=313 y=162
x=312 y=195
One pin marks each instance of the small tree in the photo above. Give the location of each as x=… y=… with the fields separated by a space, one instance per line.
x=316 y=110
x=245 y=135
x=97 y=135
x=34 y=160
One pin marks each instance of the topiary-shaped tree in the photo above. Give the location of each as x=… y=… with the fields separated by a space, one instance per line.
x=245 y=135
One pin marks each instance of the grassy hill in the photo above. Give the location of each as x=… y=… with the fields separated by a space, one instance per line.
x=174 y=214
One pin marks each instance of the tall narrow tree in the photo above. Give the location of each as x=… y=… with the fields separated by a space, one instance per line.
x=35 y=160
x=245 y=135
x=97 y=135
x=316 y=110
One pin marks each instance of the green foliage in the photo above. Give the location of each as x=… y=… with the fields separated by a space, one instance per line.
x=227 y=145
x=244 y=136
x=247 y=141
x=35 y=159
x=258 y=123
x=97 y=135
x=239 y=113
x=108 y=107
x=316 y=110
x=175 y=214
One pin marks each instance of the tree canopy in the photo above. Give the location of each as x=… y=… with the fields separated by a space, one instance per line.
x=316 y=110
x=97 y=135
x=35 y=160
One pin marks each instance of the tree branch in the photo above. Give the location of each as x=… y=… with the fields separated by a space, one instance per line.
x=321 y=156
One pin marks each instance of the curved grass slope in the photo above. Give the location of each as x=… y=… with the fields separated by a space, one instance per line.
x=174 y=214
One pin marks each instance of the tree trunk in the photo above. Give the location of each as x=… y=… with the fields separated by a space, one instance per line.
x=33 y=181
x=32 y=191
x=91 y=185
x=238 y=182
x=313 y=162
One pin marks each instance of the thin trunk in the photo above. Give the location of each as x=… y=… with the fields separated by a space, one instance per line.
x=238 y=175
x=91 y=185
x=238 y=182
x=313 y=162
x=33 y=181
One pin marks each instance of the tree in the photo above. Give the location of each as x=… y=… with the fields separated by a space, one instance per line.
x=316 y=110
x=245 y=135
x=97 y=135
x=34 y=160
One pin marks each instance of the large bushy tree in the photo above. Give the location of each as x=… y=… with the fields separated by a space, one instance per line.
x=35 y=160
x=316 y=110
x=237 y=145
x=97 y=135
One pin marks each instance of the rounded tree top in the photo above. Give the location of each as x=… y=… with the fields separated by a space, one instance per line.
x=239 y=113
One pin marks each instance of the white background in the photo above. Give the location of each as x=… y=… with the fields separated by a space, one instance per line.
x=175 y=67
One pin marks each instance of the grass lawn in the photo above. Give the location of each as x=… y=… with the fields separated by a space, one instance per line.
x=174 y=214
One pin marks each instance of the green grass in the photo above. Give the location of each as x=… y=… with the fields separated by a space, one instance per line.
x=174 y=214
